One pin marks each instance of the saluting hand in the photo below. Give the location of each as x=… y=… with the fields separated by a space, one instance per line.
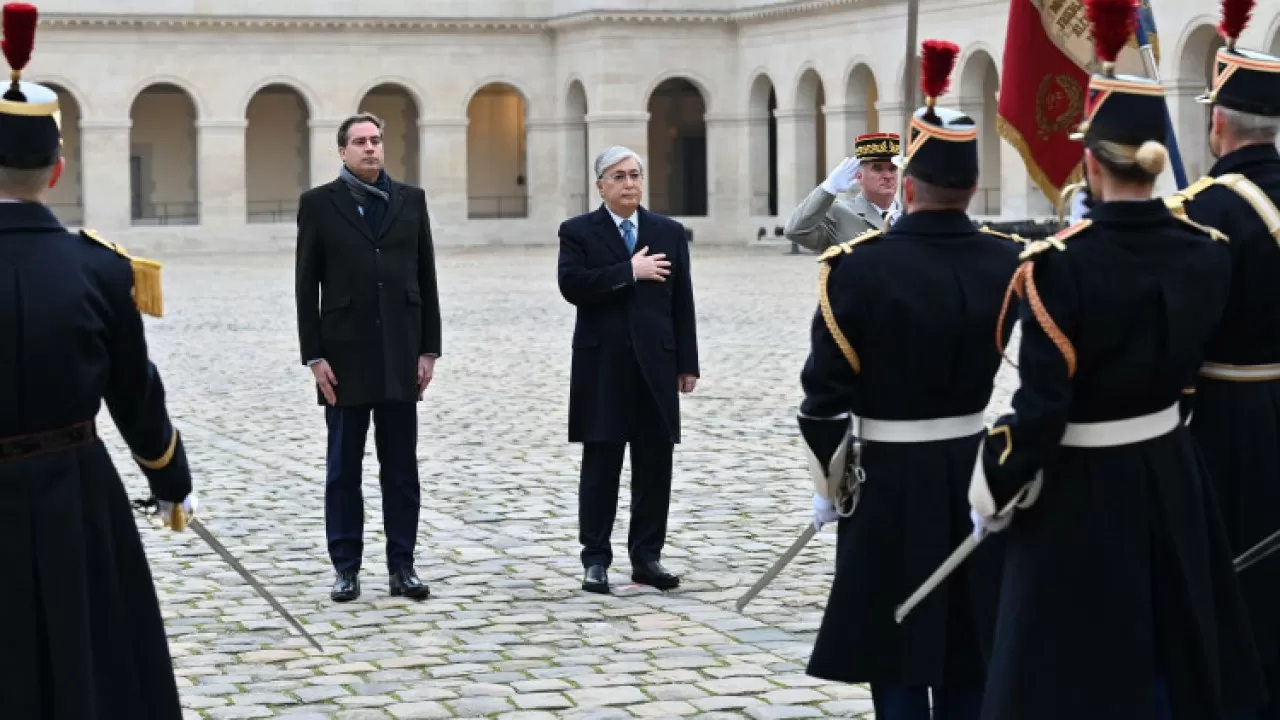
x=650 y=267
x=326 y=380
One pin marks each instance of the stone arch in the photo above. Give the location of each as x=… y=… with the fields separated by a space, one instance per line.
x=302 y=89
x=497 y=184
x=861 y=93
x=187 y=87
x=677 y=162
x=1195 y=73
x=399 y=108
x=979 y=88
x=66 y=199
x=403 y=84
x=810 y=131
x=67 y=87
x=277 y=157
x=762 y=145
x=698 y=82
x=164 y=166
x=577 y=147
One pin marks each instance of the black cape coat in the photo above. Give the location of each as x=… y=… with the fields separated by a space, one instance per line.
x=85 y=640
x=1119 y=576
x=1237 y=424
x=623 y=324
x=917 y=306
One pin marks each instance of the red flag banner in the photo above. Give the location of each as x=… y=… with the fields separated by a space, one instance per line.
x=1048 y=57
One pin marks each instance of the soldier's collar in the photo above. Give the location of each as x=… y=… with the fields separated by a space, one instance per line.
x=934 y=222
x=1248 y=155
x=1132 y=212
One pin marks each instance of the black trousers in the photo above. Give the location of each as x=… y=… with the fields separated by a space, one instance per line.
x=651 y=451
x=396 y=440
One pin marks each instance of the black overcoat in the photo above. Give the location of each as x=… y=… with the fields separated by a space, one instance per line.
x=84 y=638
x=622 y=322
x=367 y=302
x=1119 y=576
x=917 y=306
x=1237 y=424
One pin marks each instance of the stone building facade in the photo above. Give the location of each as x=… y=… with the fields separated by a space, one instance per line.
x=195 y=126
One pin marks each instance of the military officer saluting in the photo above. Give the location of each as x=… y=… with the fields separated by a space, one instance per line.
x=825 y=218
x=1119 y=599
x=903 y=356
x=1237 y=406
x=85 y=637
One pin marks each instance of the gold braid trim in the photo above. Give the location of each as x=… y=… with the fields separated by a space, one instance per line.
x=1014 y=138
x=147 y=292
x=829 y=317
x=1024 y=286
x=163 y=461
x=1024 y=277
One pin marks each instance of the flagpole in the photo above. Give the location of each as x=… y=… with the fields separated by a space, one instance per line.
x=1153 y=72
x=908 y=91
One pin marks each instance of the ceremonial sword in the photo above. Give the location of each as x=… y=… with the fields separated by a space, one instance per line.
x=1258 y=552
x=787 y=557
x=240 y=569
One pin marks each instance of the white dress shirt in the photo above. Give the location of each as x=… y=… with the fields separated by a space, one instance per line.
x=635 y=229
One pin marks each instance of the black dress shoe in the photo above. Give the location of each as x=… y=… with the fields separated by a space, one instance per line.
x=405 y=583
x=596 y=580
x=652 y=573
x=346 y=587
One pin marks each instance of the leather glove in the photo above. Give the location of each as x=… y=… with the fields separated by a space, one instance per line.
x=824 y=511
x=982 y=525
x=841 y=179
x=175 y=517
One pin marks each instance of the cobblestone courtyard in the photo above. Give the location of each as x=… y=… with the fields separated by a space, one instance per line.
x=507 y=633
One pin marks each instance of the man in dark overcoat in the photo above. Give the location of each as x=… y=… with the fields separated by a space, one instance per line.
x=1236 y=417
x=1119 y=599
x=626 y=270
x=84 y=637
x=904 y=357
x=369 y=328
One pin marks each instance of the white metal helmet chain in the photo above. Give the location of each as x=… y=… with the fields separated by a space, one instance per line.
x=854 y=476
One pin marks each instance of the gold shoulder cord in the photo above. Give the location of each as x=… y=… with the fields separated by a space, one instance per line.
x=1024 y=286
x=1015 y=237
x=148 y=294
x=824 y=302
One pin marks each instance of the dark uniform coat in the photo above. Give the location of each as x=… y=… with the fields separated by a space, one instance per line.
x=918 y=306
x=622 y=323
x=1237 y=424
x=1119 y=575
x=379 y=310
x=84 y=638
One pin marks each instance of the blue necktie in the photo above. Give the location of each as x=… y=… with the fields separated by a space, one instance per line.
x=629 y=235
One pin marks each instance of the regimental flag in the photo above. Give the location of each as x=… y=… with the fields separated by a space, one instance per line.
x=1048 y=57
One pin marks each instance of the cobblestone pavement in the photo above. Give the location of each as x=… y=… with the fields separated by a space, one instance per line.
x=508 y=632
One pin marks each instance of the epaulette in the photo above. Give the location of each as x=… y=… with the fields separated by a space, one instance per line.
x=846 y=247
x=1015 y=237
x=1175 y=201
x=1238 y=184
x=1057 y=242
x=147 y=291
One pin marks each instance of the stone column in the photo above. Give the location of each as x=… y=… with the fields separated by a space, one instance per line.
x=1191 y=126
x=324 y=149
x=727 y=187
x=892 y=118
x=795 y=138
x=629 y=129
x=576 y=187
x=1015 y=184
x=105 y=177
x=844 y=123
x=222 y=172
x=547 y=205
x=753 y=165
x=444 y=168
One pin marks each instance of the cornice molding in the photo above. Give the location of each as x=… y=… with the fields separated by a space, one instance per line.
x=214 y=23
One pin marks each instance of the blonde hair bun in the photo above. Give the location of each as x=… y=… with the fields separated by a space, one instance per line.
x=1152 y=157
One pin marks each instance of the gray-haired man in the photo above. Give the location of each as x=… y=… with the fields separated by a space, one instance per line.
x=824 y=218
x=635 y=348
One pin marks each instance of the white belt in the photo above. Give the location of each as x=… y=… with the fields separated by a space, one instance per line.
x=1240 y=373
x=918 y=431
x=1122 y=432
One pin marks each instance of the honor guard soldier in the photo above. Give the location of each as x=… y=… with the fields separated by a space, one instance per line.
x=825 y=218
x=903 y=361
x=85 y=637
x=1237 y=406
x=1119 y=600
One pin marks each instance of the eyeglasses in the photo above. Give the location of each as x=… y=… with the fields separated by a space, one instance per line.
x=620 y=176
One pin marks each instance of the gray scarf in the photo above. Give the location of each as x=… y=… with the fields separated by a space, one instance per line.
x=361 y=190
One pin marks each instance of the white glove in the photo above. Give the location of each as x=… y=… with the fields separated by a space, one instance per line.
x=841 y=179
x=824 y=511
x=983 y=525
x=165 y=511
x=1078 y=209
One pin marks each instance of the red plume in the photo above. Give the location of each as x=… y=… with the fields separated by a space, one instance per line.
x=19 y=33
x=1113 y=22
x=937 y=59
x=1235 y=16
